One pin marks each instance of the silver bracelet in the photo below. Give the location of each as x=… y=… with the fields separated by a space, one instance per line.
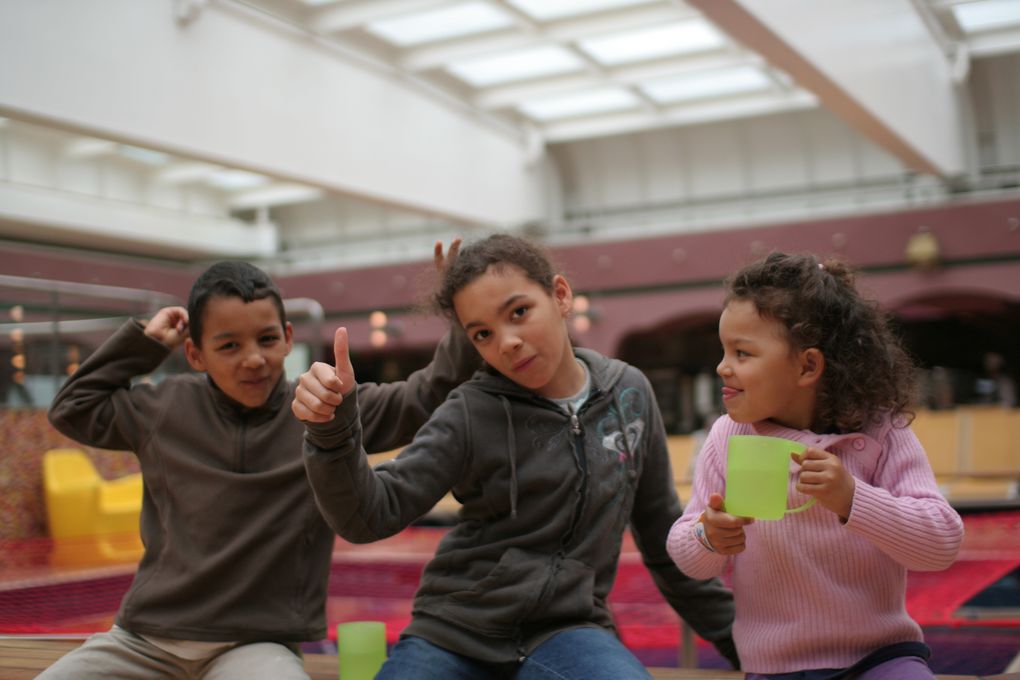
x=699 y=533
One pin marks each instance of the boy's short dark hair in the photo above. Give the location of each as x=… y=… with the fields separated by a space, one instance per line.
x=229 y=279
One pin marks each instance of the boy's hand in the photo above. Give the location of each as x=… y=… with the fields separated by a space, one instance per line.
x=441 y=261
x=823 y=476
x=322 y=387
x=724 y=531
x=169 y=326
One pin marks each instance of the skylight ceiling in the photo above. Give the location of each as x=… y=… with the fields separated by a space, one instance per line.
x=534 y=62
x=975 y=17
x=987 y=27
x=444 y=23
x=530 y=63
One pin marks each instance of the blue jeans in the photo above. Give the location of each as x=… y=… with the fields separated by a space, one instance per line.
x=576 y=654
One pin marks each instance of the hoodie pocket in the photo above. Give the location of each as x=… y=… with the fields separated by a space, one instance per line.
x=523 y=587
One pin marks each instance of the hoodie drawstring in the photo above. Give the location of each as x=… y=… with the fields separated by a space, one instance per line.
x=512 y=455
x=623 y=429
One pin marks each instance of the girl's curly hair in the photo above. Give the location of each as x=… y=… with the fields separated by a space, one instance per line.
x=868 y=374
x=499 y=251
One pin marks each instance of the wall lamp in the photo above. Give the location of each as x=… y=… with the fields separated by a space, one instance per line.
x=584 y=314
x=382 y=329
x=923 y=250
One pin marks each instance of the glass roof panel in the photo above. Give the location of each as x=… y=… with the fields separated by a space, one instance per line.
x=408 y=30
x=550 y=10
x=579 y=104
x=701 y=85
x=979 y=16
x=146 y=156
x=236 y=179
x=517 y=65
x=695 y=35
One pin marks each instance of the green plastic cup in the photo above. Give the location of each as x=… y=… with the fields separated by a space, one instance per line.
x=361 y=649
x=758 y=476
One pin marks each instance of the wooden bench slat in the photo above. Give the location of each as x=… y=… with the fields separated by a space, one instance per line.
x=22 y=658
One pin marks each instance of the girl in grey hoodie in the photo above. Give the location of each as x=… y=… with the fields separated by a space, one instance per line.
x=552 y=451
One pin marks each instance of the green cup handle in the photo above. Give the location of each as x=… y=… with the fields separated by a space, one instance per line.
x=802 y=507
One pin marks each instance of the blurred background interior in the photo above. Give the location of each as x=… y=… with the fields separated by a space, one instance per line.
x=653 y=145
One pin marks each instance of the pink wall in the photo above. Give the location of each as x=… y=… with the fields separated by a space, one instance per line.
x=635 y=284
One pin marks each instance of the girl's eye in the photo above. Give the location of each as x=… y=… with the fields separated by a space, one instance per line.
x=479 y=336
x=269 y=339
x=519 y=312
x=227 y=346
x=741 y=354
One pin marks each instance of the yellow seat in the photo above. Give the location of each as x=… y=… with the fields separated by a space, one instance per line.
x=92 y=521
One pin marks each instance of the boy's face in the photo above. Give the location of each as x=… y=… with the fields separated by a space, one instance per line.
x=243 y=346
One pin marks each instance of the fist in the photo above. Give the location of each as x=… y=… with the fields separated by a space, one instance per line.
x=169 y=326
x=724 y=531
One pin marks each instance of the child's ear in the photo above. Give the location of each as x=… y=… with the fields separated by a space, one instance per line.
x=288 y=334
x=563 y=294
x=194 y=355
x=812 y=366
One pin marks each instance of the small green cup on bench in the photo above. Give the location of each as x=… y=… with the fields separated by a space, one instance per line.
x=361 y=649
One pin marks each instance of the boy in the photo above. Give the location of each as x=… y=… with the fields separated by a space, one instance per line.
x=237 y=556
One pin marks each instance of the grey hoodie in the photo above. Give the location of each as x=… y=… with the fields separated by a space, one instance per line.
x=546 y=498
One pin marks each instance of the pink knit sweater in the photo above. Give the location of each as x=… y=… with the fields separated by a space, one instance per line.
x=810 y=591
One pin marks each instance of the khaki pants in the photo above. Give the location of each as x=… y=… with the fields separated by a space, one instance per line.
x=122 y=655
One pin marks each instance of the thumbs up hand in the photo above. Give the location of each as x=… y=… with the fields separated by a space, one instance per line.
x=342 y=356
x=322 y=387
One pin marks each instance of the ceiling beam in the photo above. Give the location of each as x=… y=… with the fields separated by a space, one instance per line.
x=89 y=147
x=874 y=63
x=274 y=195
x=993 y=43
x=185 y=172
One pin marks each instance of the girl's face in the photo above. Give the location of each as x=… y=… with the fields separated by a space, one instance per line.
x=763 y=377
x=519 y=329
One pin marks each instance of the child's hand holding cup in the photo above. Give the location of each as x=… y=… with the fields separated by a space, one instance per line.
x=758 y=474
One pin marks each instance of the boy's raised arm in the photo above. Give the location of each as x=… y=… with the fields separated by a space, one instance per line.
x=95 y=406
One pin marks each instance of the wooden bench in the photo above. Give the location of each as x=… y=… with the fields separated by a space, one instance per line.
x=22 y=658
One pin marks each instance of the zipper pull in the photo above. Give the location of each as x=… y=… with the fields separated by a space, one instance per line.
x=575 y=424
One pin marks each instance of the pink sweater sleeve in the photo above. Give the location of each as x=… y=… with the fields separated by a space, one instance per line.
x=687 y=552
x=902 y=512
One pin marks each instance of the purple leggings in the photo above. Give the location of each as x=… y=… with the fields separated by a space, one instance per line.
x=901 y=668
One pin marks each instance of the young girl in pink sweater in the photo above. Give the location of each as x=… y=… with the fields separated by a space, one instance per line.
x=819 y=594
